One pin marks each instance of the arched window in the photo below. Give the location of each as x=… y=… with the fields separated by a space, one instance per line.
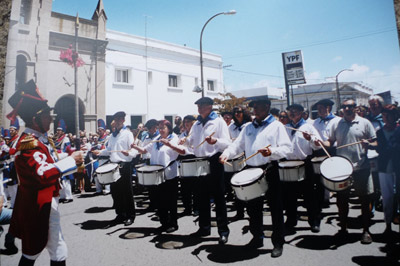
x=21 y=69
x=25 y=11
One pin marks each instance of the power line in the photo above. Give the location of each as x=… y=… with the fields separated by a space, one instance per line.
x=361 y=35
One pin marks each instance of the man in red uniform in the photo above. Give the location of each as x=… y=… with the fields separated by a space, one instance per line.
x=39 y=172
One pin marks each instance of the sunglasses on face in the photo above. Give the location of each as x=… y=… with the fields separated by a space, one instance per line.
x=350 y=106
x=283 y=116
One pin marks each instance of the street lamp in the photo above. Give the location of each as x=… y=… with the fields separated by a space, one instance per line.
x=231 y=12
x=337 y=88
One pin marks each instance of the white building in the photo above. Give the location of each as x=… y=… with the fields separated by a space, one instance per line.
x=149 y=78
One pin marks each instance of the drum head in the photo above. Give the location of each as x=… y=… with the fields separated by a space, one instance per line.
x=246 y=176
x=106 y=168
x=290 y=164
x=318 y=159
x=150 y=168
x=336 y=168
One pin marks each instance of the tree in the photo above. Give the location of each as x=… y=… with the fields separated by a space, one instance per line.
x=228 y=101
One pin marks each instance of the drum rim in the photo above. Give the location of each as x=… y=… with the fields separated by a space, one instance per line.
x=109 y=171
x=319 y=157
x=194 y=159
x=252 y=182
x=154 y=171
x=352 y=169
x=292 y=167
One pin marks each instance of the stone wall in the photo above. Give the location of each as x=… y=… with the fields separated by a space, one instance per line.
x=5 y=11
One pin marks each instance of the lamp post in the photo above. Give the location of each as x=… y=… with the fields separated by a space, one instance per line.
x=337 y=87
x=231 y=12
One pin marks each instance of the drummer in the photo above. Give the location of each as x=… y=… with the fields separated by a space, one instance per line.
x=350 y=129
x=165 y=152
x=212 y=129
x=119 y=150
x=189 y=185
x=241 y=118
x=300 y=133
x=263 y=131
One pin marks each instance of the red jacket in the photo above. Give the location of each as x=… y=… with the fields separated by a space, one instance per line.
x=38 y=182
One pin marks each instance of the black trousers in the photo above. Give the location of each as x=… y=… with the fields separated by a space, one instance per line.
x=190 y=193
x=213 y=185
x=167 y=194
x=122 y=192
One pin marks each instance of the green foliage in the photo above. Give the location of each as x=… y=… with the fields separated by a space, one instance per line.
x=228 y=101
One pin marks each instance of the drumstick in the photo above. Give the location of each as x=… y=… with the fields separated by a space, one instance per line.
x=91 y=162
x=204 y=140
x=254 y=154
x=292 y=128
x=350 y=144
x=322 y=146
x=137 y=135
x=228 y=164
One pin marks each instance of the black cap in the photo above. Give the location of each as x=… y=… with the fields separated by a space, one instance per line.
x=151 y=123
x=205 y=100
x=262 y=100
x=189 y=117
x=119 y=114
x=325 y=102
x=226 y=113
x=27 y=102
x=296 y=106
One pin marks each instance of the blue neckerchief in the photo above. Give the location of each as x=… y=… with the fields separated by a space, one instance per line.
x=159 y=144
x=239 y=126
x=327 y=118
x=299 y=124
x=213 y=115
x=154 y=135
x=378 y=119
x=265 y=122
x=116 y=132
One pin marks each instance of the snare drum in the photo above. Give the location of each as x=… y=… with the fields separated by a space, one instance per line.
x=194 y=167
x=108 y=173
x=236 y=163
x=373 y=160
x=336 y=172
x=316 y=163
x=292 y=171
x=249 y=184
x=150 y=175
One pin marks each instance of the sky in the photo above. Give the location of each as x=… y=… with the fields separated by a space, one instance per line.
x=333 y=35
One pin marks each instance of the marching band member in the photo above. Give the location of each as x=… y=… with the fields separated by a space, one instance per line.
x=12 y=185
x=241 y=118
x=227 y=116
x=303 y=146
x=165 y=152
x=119 y=150
x=100 y=144
x=350 y=129
x=264 y=130
x=36 y=219
x=63 y=145
x=214 y=131
x=189 y=185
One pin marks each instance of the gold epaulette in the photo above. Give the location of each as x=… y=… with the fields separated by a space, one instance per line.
x=28 y=143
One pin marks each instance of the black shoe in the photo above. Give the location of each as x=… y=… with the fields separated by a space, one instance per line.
x=201 y=233
x=255 y=243
x=11 y=248
x=315 y=229
x=119 y=219
x=277 y=251
x=223 y=240
x=68 y=200
x=129 y=221
x=171 y=229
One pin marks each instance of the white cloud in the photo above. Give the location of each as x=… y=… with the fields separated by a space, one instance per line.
x=337 y=58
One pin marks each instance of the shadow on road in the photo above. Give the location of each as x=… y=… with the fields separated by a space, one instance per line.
x=324 y=242
x=373 y=260
x=97 y=209
x=95 y=224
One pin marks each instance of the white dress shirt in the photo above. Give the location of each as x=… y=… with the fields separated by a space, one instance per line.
x=200 y=132
x=164 y=156
x=302 y=147
x=234 y=130
x=122 y=141
x=325 y=128
x=251 y=139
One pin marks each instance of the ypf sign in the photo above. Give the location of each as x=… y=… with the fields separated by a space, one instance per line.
x=293 y=65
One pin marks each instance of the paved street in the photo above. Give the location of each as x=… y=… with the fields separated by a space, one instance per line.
x=90 y=242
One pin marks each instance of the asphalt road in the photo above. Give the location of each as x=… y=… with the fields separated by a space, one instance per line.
x=91 y=242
